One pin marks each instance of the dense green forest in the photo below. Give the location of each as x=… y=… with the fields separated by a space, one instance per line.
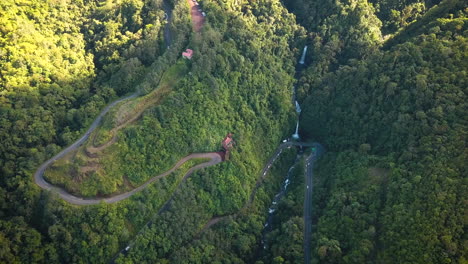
x=61 y=62
x=383 y=88
x=285 y=240
x=393 y=189
x=222 y=90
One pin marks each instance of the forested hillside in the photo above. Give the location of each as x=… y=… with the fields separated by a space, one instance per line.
x=383 y=88
x=238 y=81
x=393 y=189
x=60 y=63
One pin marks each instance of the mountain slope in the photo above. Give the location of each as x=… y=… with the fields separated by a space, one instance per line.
x=403 y=109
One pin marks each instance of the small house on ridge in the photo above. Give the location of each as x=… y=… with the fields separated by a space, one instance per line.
x=187 y=54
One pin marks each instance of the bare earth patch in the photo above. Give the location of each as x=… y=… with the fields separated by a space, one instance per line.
x=197 y=18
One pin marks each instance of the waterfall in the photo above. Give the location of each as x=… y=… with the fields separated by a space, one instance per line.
x=302 y=61
x=298 y=108
x=296 y=135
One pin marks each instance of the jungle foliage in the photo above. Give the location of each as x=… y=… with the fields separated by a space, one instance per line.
x=384 y=89
x=393 y=190
x=224 y=91
x=61 y=62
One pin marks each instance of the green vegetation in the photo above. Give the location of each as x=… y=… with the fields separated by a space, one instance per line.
x=95 y=169
x=349 y=194
x=392 y=189
x=230 y=77
x=51 y=88
x=384 y=89
x=236 y=237
x=285 y=242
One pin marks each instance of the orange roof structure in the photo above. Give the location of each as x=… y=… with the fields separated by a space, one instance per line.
x=228 y=142
x=188 y=53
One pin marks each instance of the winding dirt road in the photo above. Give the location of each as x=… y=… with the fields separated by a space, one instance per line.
x=214 y=157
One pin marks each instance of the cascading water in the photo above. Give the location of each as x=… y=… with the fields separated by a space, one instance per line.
x=302 y=60
x=271 y=210
x=298 y=108
x=296 y=134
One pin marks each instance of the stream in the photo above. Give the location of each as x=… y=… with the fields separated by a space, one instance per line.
x=268 y=226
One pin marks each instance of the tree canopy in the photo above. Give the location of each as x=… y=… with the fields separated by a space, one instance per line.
x=383 y=88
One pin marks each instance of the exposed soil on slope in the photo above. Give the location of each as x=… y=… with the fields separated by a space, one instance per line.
x=197 y=18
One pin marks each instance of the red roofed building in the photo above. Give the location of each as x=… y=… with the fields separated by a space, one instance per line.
x=187 y=54
x=227 y=143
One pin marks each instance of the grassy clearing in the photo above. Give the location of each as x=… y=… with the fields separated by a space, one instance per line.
x=129 y=111
x=90 y=170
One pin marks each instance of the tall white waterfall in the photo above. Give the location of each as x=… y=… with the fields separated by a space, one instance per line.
x=298 y=108
x=302 y=61
x=296 y=134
